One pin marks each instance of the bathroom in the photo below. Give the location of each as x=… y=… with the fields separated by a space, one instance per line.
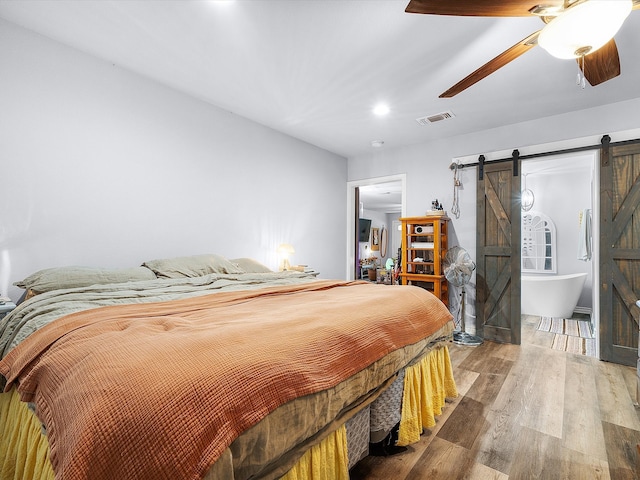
x=563 y=192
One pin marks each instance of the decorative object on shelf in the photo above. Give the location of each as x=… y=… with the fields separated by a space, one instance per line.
x=285 y=250
x=424 y=229
x=436 y=209
x=458 y=268
x=423 y=244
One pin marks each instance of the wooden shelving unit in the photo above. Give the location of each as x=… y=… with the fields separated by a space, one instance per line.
x=424 y=245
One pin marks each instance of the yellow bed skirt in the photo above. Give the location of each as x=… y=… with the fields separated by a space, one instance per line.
x=325 y=461
x=427 y=385
x=24 y=450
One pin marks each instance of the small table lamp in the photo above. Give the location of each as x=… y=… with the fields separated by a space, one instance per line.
x=284 y=249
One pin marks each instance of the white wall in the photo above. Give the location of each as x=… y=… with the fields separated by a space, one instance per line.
x=427 y=170
x=103 y=167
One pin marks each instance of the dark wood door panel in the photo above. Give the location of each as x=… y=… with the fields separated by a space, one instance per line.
x=498 y=254
x=497 y=193
x=619 y=252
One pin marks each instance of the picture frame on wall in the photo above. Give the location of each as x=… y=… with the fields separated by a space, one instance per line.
x=375 y=239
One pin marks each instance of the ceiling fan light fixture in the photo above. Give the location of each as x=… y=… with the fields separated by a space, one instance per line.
x=584 y=27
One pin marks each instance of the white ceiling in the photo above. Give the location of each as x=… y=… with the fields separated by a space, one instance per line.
x=314 y=69
x=385 y=197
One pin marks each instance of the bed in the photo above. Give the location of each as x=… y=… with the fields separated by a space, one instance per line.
x=202 y=367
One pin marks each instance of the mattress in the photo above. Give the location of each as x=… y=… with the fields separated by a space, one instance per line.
x=315 y=394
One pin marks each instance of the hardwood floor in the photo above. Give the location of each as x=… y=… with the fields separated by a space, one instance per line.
x=526 y=412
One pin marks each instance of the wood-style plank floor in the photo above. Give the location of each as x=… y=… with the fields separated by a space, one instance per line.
x=526 y=412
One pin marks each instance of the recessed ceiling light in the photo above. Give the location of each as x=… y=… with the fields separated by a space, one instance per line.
x=381 y=109
x=377 y=143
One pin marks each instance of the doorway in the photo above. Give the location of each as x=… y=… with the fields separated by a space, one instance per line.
x=383 y=199
x=565 y=189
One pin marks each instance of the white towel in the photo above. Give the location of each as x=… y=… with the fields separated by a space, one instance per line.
x=584 y=236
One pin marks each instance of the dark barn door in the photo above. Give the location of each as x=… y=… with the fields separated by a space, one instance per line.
x=498 y=252
x=356 y=243
x=619 y=252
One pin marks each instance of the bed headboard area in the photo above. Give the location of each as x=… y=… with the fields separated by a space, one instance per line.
x=178 y=267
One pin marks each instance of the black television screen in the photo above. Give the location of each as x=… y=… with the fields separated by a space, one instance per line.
x=364 y=229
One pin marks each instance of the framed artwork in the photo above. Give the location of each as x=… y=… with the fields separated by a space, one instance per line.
x=375 y=239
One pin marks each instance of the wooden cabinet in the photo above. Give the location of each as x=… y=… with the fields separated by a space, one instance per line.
x=424 y=245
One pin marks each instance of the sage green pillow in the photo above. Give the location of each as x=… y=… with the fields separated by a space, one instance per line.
x=192 y=266
x=249 y=265
x=74 y=277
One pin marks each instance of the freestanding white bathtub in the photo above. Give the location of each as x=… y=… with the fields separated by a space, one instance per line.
x=551 y=295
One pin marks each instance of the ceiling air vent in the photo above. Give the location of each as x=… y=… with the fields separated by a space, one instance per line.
x=435 y=118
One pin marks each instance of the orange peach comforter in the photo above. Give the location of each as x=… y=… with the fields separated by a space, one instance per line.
x=160 y=390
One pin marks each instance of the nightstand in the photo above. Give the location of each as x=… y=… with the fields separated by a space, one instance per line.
x=303 y=269
x=6 y=307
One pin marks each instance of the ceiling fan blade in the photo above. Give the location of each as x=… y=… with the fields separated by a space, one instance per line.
x=601 y=65
x=493 y=65
x=477 y=8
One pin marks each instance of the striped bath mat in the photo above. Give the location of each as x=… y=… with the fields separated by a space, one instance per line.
x=566 y=326
x=570 y=335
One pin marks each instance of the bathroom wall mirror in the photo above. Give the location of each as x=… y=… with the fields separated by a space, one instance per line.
x=538 y=243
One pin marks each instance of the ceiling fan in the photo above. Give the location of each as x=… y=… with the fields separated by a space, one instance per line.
x=596 y=54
